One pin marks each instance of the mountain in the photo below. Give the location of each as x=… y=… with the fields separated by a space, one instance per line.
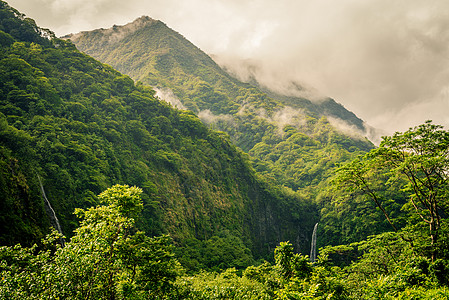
x=70 y=127
x=149 y=51
x=295 y=141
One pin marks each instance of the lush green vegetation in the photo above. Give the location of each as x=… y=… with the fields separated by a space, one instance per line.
x=291 y=141
x=199 y=222
x=108 y=258
x=81 y=127
x=417 y=163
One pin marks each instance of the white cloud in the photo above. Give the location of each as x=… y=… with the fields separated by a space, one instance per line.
x=167 y=95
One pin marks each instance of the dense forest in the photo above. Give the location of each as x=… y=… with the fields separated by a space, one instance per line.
x=291 y=141
x=78 y=127
x=107 y=192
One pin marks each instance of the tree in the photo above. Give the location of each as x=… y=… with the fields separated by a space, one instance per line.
x=107 y=258
x=291 y=264
x=419 y=158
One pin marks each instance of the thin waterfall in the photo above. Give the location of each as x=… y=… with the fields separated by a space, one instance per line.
x=51 y=213
x=313 y=244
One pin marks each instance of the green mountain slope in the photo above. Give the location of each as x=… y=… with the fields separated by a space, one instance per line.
x=80 y=127
x=293 y=140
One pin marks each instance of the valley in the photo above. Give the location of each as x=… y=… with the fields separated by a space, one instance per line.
x=135 y=167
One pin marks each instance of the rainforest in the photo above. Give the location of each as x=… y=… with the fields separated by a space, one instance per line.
x=111 y=189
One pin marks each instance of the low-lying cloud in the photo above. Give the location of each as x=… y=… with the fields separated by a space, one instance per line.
x=167 y=95
x=209 y=117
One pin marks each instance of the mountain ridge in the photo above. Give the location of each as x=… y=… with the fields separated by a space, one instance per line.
x=254 y=117
x=116 y=32
x=330 y=106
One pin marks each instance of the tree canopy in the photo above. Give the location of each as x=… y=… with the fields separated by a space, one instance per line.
x=419 y=160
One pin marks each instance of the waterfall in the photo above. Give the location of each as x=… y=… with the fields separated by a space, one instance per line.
x=51 y=213
x=313 y=244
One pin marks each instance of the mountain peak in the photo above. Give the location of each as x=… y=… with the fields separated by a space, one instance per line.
x=116 y=33
x=139 y=22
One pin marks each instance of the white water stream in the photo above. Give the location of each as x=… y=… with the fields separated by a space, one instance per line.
x=313 y=244
x=53 y=218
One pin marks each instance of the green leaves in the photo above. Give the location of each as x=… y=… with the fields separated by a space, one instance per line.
x=291 y=264
x=106 y=259
x=418 y=160
x=124 y=198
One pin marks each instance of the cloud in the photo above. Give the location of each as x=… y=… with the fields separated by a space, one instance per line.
x=209 y=117
x=372 y=134
x=379 y=58
x=167 y=95
x=387 y=61
x=288 y=116
x=251 y=70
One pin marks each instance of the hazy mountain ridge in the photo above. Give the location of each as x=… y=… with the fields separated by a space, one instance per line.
x=93 y=42
x=117 y=33
x=254 y=116
x=290 y=93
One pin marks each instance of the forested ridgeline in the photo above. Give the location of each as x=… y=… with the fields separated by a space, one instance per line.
x=292 y=141
x=287 y=136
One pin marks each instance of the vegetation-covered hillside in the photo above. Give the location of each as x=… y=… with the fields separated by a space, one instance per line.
x=79 y=126
x=260 y=124
x=71 y=128
x=108 y=258
x=291 y=141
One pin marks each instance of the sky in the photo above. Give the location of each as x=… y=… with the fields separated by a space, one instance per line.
x=385 y=60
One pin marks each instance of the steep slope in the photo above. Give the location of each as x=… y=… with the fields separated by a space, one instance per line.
x=80 y=127
x=294 y=140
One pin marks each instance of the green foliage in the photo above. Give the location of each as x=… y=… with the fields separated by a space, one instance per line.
x=292 y=277
x=107 y=258
x=417 y=162
x=348 y=216
x=226 y=285
x=125 y=199
x=291 y=141
x=291 y=264
x=220 y=252
x=82 y=127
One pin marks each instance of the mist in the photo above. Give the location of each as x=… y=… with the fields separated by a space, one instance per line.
x=386 y=61
x=167 y=95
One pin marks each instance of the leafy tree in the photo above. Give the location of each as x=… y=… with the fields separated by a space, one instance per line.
x=419 y=159
x=291 y=264
x=106 y=259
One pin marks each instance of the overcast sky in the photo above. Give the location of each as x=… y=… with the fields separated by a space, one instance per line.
x=385 y=60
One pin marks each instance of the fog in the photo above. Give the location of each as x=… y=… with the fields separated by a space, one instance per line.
x=387 y=61
x=167 y=95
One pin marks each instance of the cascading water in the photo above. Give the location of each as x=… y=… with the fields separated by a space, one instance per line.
x=51 y=213
x=313 y=244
